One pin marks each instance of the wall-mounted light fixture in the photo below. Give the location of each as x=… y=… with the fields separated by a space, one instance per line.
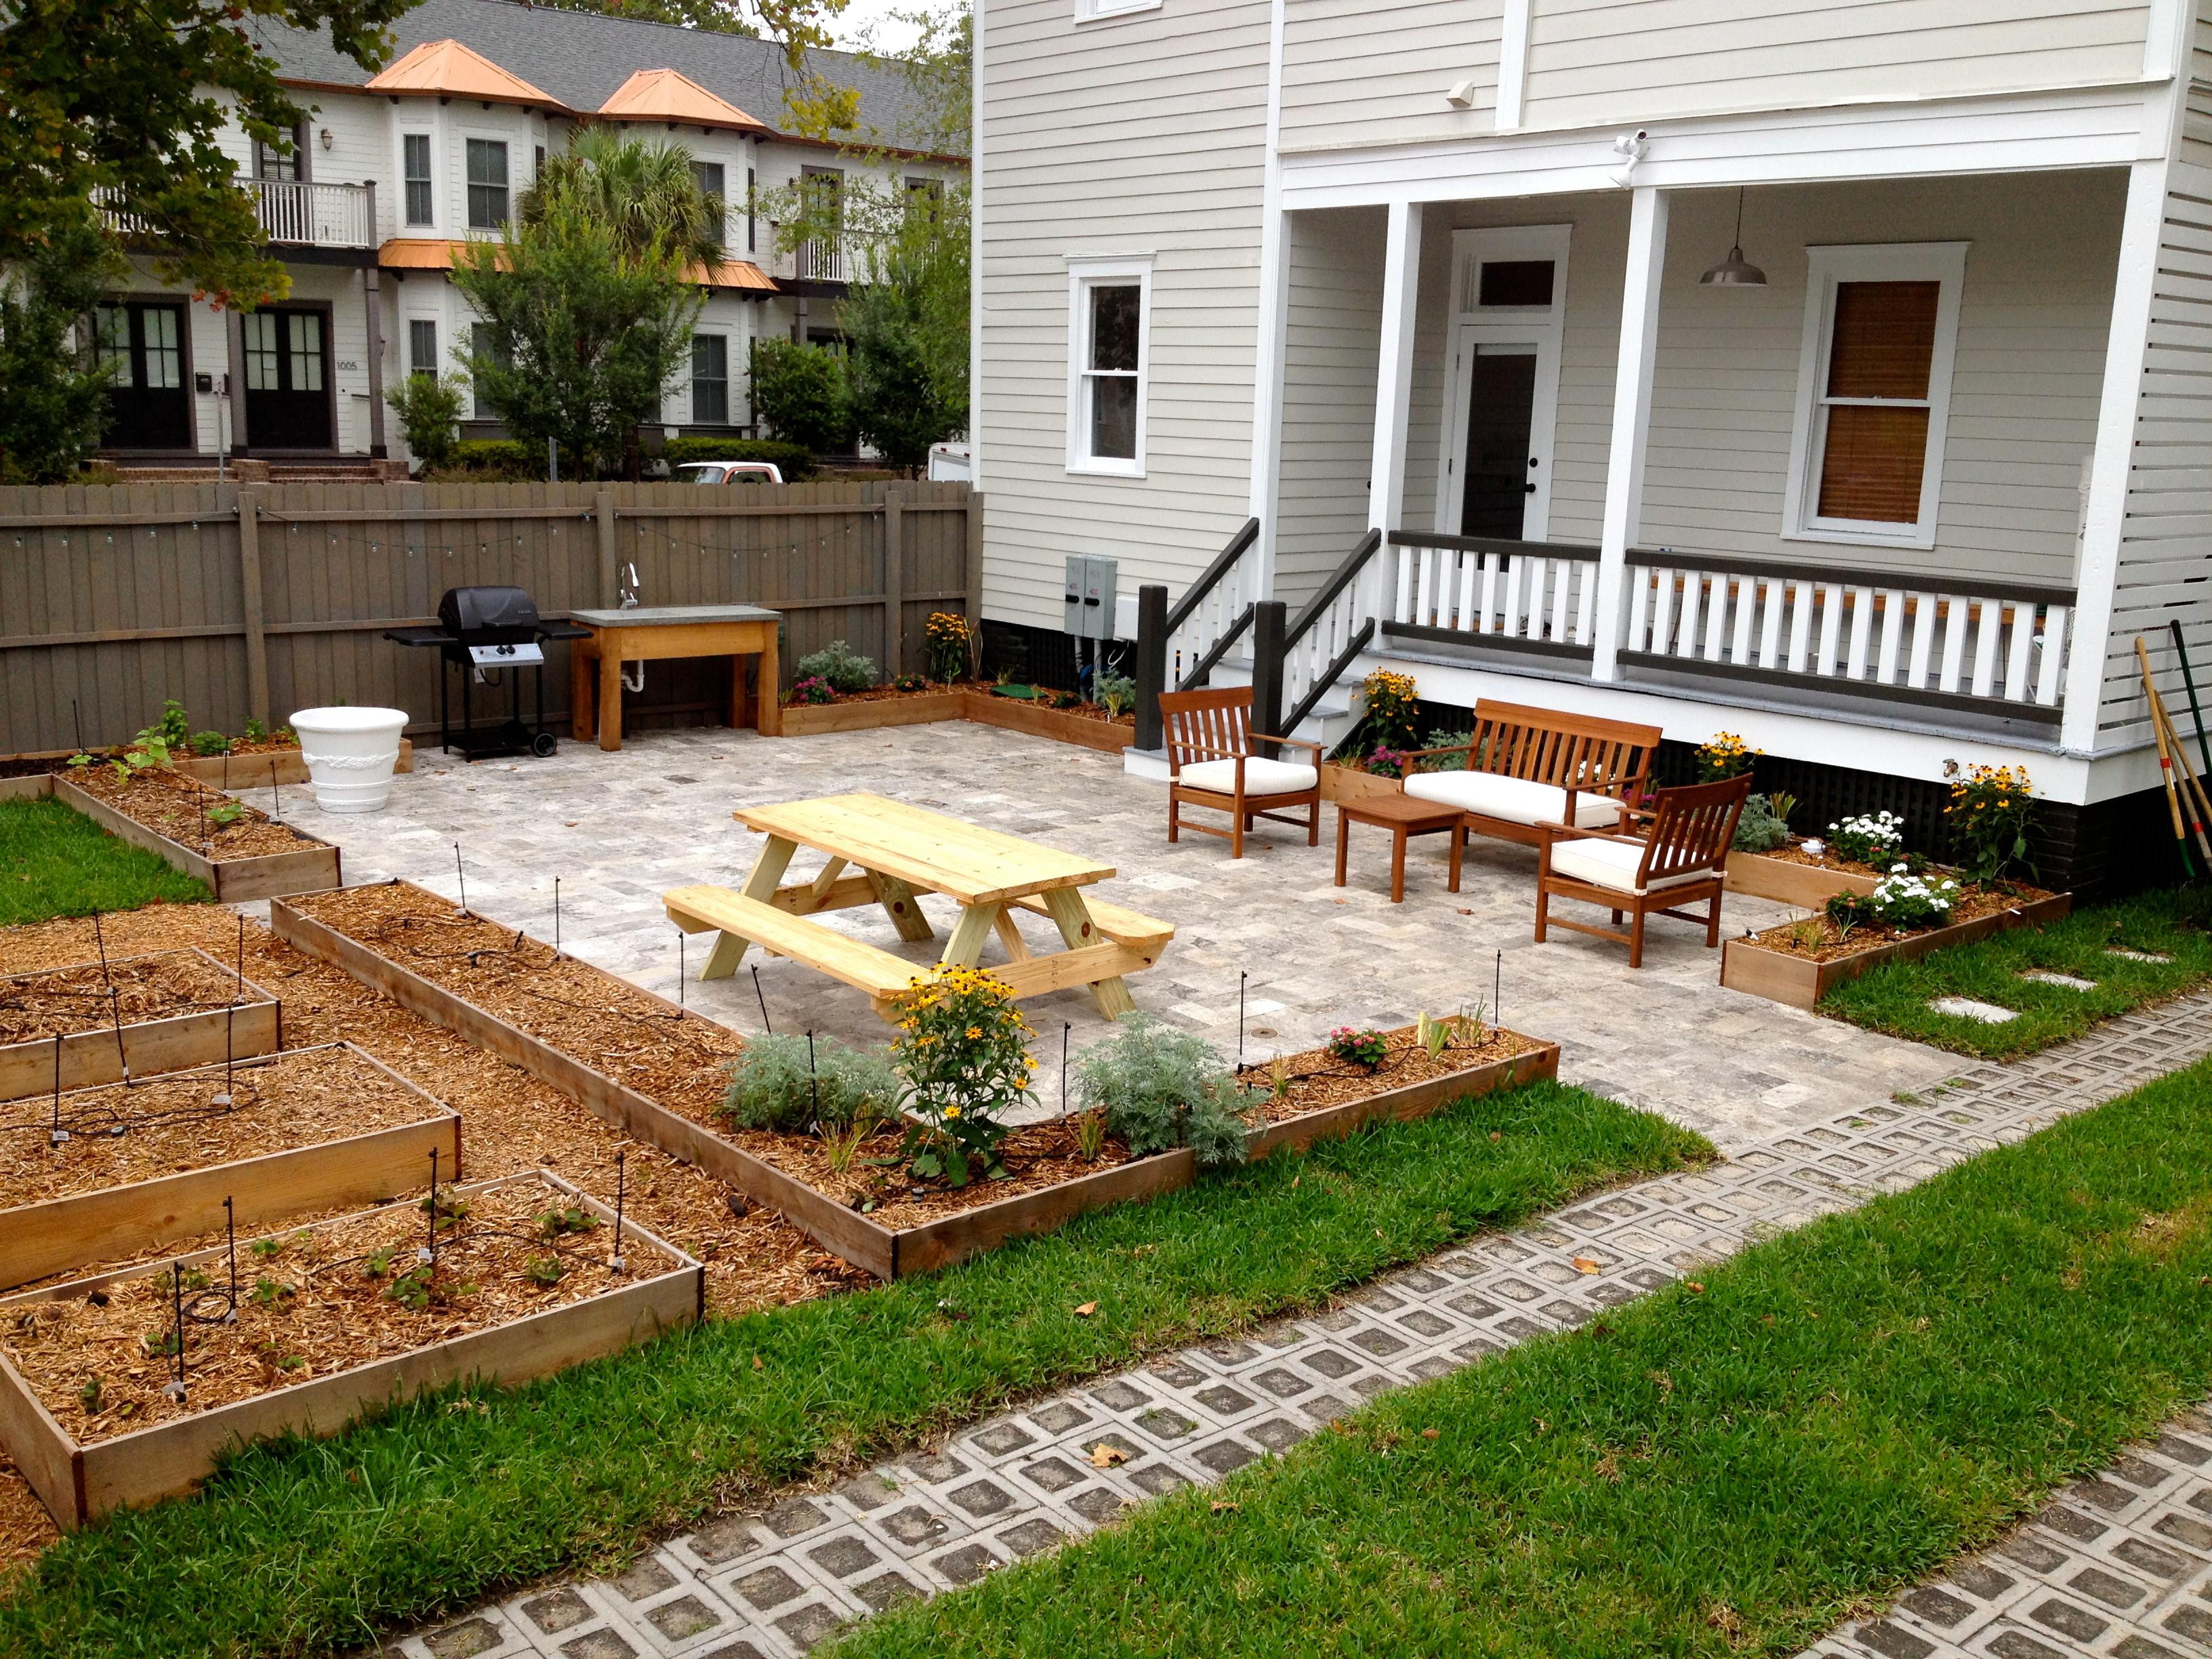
x=326 y=139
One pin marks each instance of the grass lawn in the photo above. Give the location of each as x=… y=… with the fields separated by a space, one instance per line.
x=2169 y=923
x=1834 y=1415
x=307 y=1547
x=55 y=861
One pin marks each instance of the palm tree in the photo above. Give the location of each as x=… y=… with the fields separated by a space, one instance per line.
x=647 y=194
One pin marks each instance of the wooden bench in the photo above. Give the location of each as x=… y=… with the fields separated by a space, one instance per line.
x=780 y=933
x=1126 y=927
x=1521 y=762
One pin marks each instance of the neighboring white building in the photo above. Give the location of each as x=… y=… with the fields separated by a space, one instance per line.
x=1446 y=270
x=390 y=172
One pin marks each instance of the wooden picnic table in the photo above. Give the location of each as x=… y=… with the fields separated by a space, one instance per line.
x=884 y=851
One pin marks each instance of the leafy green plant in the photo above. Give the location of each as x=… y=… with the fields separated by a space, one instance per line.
x=946 y=641
x=93 y=1393
x=543 y=1270
x=174 y=728
x=257 y=729
x=1358 y=1047
x=1989 y=814
x=378 y=1262
x=268 y=1292
x=910 y=683
x=1908 y=903
x=1091 y=1136
x=228 y=812
x=211 y=744
x=574 y=1218
x=1115 y=693
x=962 y=1049
x=1159 y=1087
x=813 y=688
x=1454 y=741
x=1760 y=829
x=1871 y=838
x=844 y=668
x=772 y=1085
x=413 y=1289
x=800 y=393
x=268 y=1249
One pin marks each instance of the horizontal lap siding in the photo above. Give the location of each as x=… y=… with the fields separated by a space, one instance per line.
x=1594 y=62
x=1144 y=136
x=2033 y=319
x=1332 y=354
x=2165 y=572
x=1355 y=72
x=330 y=588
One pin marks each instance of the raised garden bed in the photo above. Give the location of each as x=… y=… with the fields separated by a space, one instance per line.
x=170 y=1011
x=331 y=1320
x=149 y=1163
x=1340 y=782
x=1799 y=963
x=1088 y=726
x=1329 y=1098
x=253 y=857
x=247 y=769
x=31 y=777
x=1790 y=875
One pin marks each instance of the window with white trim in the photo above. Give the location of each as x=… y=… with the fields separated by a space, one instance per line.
x=422 y=346
x=1092 y=11
x=1110 y=348
x=487 y=158
x=1882 y=326
x=710 y=380
x=415 y=167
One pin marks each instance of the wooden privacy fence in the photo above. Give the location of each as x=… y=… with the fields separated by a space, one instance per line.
x=255 y=601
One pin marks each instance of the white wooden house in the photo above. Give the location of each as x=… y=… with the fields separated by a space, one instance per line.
x=1890 y=491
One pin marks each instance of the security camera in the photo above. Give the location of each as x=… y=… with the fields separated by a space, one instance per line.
x=1632 y=146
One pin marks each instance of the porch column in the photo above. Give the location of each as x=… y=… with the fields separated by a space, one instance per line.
x=235 y=333
x=2126 y=349
x=1393 y=389
x=373 y=298
x=1631 y=420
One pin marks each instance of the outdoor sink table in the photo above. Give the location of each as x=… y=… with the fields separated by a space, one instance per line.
x=893 y=851
x=657 y=633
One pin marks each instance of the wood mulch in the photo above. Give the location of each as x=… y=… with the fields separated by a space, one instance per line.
x=510 y=1123
x=1793 y=851
x=37 y=1006
x=1090 y=711
x=1816 y=939
x=162 y=1126
x=892 y=694
x=1318 y=1081
x=174 y=806
x=310 y=1301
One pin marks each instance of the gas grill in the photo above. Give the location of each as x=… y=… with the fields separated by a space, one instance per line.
x=486 y=632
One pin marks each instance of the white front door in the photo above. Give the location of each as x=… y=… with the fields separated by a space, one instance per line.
x=1502 y=382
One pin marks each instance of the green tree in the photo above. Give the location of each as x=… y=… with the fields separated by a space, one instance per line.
x=938 y=68
x=798 y=24
x=53 y=393
x=122 y=102
x=647 y=194
x=587 y=303
x=429 y=411
x=800 y=392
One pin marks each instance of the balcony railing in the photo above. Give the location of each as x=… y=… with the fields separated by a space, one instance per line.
x=819 y=262
x=292 y=213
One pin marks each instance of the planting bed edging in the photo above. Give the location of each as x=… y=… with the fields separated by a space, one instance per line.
x=959 y=703
x=1344 y=783
x=313 y=868
x=1415 y=1100
x=1801 y=983
x=243 y=773
x=57 y=1234
x=78 y=1483
x=176 y=1043
x=37 y=787
x=1807 y=886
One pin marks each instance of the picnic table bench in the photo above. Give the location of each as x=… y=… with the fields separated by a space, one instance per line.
x=885 y=852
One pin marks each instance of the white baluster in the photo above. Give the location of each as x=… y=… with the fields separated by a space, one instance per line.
x=1663 y=608
x=1515 y=572
x=1831 y=625
x=1956 y=623
x=1539 y=574
x=2016 y=686
x=2054 y=655
x=1775 y=591
x=1488 y=623
x=1925 y=607
x=1466 y=621
x=1562 y=583
x=1746 y=612
x=1693 y=606
x=1800 y=622
x=1892 y=635
x=1717 y=614
x=1585 y=613
x=1985 y=647
x=1862 y=630
x=1425 y=587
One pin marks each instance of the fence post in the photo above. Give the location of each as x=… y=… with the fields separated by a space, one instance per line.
x=894 y=581
x=249 y=587
x=603 y=504
x=1152 y=663
x=1270 y=622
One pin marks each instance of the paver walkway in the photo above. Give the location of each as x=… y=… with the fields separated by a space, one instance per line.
x=2120 y=1560
x=620 y=829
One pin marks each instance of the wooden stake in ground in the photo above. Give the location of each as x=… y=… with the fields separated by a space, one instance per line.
x=2165 y=760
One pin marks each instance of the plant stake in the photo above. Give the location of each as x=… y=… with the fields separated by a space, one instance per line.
x=1240 y=977
x=757 y=992
x=230 y=1244
x=223 y=1099
x=175 y=1390
x=115 y=1013
x=557 y=918
x=58 y=1134
x=428 y=1253
x=462 y=877
x=679 y=975
x=618 y=1262
x=813 y=1084
x=1064 y=1028
x=76 y=719
x=276 y=795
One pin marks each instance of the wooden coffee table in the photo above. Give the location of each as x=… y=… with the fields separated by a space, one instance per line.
x=1403 y=816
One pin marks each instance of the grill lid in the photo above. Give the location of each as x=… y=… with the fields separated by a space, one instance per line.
x=467 y=611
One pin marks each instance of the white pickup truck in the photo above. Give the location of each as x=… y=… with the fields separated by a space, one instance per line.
x=727 y=472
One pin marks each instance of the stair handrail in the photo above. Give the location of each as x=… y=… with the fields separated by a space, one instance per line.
x=1210 y=578
x=1157 y=622
x=1294 y=635
x=1339 y=580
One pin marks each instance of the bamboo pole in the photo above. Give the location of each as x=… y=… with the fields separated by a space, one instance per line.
x=2197 y=803
x=2165 y=760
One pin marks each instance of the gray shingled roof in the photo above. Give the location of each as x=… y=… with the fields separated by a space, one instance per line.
x=581 y=57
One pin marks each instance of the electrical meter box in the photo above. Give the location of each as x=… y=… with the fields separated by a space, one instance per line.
x=1091 y=590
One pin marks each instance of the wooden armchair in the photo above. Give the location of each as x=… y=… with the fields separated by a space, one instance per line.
x=1211 y=763
x=1680 y=861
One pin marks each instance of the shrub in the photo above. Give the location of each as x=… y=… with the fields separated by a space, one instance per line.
x=1759 y=830
x=210 y=743
x=1875 y=840
x=1989 y=814
x=429 y=411
x=773 y=1085
x=499 y=459
x=795 y=461
x=800 y=393
x=844 y=668
x=963 y=1048
x=1459 y=741
x=1158 y=1087
x=1725 y=757
x=174 y=728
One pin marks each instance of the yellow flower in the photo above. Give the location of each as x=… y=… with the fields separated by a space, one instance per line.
x=975 y=1031
x=952 y=1112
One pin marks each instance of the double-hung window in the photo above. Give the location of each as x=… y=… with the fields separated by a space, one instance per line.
x=711 y=177
x=1109 y=346
x=710 y=380
x=422 y=346
x=415 y=168
x=1882 y=329
x=488 y=346
x=486 y=184
x=1092 y=11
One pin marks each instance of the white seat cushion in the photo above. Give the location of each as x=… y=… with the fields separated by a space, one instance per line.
x=1261 y=776
x=1516 y=800
x=1611 y=863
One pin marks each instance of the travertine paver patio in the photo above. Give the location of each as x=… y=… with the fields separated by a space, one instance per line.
x=618 y=829
x=2120 y=1566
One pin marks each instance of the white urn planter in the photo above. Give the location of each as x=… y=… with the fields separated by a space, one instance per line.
x=350 y=754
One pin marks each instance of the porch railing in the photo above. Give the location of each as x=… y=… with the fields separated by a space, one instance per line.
x=1328 y=635
x=819 y=262
x=1529 y=595
x=1969 y=643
